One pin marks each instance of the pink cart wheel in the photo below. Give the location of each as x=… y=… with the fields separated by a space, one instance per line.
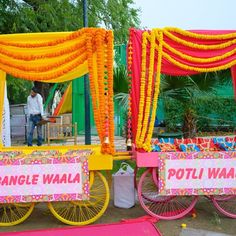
x=223 y=197
x=138 y=171
x=146 y=195
x=226 y=204
x=162 y=207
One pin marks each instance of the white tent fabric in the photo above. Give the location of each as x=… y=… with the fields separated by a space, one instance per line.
x=6 y=130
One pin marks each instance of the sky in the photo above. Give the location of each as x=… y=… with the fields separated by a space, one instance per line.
x=188 y=14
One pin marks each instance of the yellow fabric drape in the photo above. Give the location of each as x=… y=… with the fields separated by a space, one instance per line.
x=66 y=107
x=59 y=57
x=2 y=90
x=49 y=57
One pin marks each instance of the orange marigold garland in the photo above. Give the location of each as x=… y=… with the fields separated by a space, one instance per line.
x=62 y=51
x=149 y=92
x=72 y=36
x=110 y=91
x=44 y=68
x=100 y=69
x=102 y=102
x=93 y=87
x=43 y=76
x=106 y=111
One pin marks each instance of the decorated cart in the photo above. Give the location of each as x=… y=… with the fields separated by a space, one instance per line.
x=68 y=178
x=178 y=171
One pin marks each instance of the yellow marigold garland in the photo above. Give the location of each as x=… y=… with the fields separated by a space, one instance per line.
x=199 y=46
x=129 y=116
x=198 y=69
x=142 y=89
x=198 y=59
x=149 y=89
x=147 y=144
x=200 y=36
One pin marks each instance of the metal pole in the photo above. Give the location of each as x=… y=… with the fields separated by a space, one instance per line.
x=86 y=87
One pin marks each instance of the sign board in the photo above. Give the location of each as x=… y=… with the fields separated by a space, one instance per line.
x=197 y=173
x=40 y=179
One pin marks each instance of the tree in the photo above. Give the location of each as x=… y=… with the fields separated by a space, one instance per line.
x=186 y=89
x=120 y=87
x=8 y=13
x=18 y=90
x=64 y=15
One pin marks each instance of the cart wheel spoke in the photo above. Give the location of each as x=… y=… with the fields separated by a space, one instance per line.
x=163 y=207
x=226 y=204
x=84 y=212
x=13 y=214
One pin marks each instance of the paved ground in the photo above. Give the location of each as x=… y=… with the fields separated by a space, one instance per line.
x=199 y=232
x=207 y=219
x=119 y=142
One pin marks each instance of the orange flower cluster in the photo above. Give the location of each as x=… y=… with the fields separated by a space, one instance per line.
x=101 y=86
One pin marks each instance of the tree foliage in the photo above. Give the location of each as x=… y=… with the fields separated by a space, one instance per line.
x=18 y=90
x=67 y=15
x=186 y=91
x=26 y=16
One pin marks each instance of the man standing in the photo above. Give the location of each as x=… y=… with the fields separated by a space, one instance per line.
x=35 y=113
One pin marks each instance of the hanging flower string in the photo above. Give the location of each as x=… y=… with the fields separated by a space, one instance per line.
x=142 y=89
x=147 y=144
x=149 y=88
x=100 y=84
x=106 y=108
x=92 y=77
x=111 y=147
x=129 y=115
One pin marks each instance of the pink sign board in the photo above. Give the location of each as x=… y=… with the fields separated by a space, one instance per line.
x=39 y=179
x=197 y=173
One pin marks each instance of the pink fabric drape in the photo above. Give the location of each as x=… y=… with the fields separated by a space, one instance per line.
x=168 y=68
x=233 y=73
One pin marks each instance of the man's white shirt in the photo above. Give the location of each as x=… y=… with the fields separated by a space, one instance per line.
x=35 y=105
